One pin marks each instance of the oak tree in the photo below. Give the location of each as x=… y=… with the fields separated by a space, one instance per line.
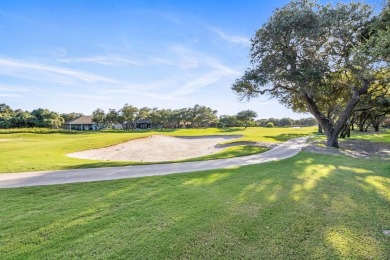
x=312 y=58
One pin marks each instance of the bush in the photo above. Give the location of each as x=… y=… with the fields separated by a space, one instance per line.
x=270 y=124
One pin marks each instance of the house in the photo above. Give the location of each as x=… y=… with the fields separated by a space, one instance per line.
x=143 y=124
x=83 y=123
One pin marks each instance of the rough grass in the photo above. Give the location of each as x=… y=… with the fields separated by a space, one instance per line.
x=46 y=150
x=381 y=136
x=306 y=207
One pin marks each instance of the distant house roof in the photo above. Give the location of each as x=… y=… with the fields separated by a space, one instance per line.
x=139 y=121
x=147 y=121
x=84 y=120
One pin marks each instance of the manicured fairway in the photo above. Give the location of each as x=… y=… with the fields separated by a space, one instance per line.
x=306 y=207
x=47 y=151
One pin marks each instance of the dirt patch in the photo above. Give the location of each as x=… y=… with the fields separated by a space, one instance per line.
x=157 y=148
x=353 y=148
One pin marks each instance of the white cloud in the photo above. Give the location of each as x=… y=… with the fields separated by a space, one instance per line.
x=184 y=58
x=42 y=72
x=199 y=82
x=199 y=70
x=232 y=39
x=86 y=97
x=185 y=72
x=10 y=95
x=102 y=60
x=159 y=61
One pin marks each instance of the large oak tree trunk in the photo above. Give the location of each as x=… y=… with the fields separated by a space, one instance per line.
x=332 y=140
x=320 y=129
x=332 y=130
x=346 y=132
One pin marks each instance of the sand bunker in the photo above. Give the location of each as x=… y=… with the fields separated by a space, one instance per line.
x=157 y=148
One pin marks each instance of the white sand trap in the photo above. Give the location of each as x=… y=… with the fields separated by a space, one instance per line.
x=157 y=148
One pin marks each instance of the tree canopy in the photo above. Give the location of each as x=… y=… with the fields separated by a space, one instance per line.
x=246 y=116
x=313 y=58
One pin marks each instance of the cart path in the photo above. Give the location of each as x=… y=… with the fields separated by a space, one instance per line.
x=12 y=180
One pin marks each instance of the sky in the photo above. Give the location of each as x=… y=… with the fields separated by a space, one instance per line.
x=76 y=56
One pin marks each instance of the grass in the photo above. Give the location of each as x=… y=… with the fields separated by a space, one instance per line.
x=381 y=136
x=235 y=151
x=46 y=149
x=307 y=207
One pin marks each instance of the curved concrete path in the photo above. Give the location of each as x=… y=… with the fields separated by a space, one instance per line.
x=12 y=180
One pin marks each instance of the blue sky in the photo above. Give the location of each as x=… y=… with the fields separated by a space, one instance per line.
x=76 y=56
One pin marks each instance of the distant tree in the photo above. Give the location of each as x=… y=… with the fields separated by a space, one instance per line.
x=202 y=116
x=164 y=117
x=228 y=121
x=143 y=113
x=154 y=116
x=310 y=121
x=23 y=119
x=6 y=110
x=374 y=106
x=5 y=121
x=246 y=116
x=274 y=121
x=270 y=124
x=99 y=117
x=46 y=118
x=112 y=116
x=127 y=116
x=262 y=122
x=182 y=117
x=285 y=121
x=71 y=116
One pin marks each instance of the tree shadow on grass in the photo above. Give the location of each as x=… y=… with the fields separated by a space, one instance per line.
x=230 y=129
x=314 y=206
x=285 y=137
x=305 y=207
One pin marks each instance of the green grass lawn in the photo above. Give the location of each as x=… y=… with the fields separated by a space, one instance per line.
x=381 y=136
x=306 y=207
x=46 y=150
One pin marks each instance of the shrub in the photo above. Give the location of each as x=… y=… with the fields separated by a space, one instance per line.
x=270 y=124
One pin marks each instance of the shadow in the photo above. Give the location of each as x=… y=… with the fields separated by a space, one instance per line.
x=101 y=164
x=235 y=143
x=306 y=207
x=285 y=137
x=231 y=129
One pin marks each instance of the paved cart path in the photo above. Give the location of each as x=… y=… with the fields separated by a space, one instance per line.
x=11 y=180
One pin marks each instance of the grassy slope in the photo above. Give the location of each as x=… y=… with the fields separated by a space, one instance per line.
x=382 y=136
x=35 y=151
x=306 y=207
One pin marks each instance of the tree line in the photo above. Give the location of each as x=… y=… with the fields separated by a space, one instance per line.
x=18 y=118
x=191 y=117
x=128 y=115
